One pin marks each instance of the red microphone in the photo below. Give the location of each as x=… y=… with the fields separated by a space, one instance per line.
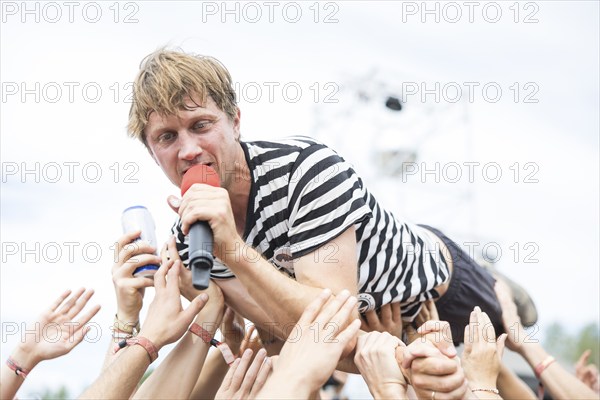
x=200 y=249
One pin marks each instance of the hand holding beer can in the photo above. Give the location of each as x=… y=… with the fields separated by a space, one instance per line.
x=138 y=218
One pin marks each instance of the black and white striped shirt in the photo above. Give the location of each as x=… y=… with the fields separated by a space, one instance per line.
x=303 y=195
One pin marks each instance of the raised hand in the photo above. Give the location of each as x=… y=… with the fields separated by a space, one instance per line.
x=245 y=377
x=167 y=321
x=59 y=320
x=313 y=349
x=376 y=360
x=587 y=373
x=130 y=255
x=482 y=356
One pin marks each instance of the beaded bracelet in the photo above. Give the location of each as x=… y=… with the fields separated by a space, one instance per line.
x=124 y=327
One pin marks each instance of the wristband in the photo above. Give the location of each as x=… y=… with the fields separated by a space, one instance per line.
x=207 y=338
x=22 y=372
x=141 y=341
x=542 y=366
x=128 y=327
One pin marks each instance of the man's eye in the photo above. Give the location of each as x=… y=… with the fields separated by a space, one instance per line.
x=200 y=125
x=166 y=137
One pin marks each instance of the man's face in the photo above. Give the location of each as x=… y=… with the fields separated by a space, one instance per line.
x=198 y=135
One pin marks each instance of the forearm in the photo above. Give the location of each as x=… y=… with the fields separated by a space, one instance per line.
x=121 y=378
x=264 y=283
x=512 y=387
x=129 y=319
x=176 y=376
x=11 y=382
x=211 y=377
x=560 y=383
x=284 y=385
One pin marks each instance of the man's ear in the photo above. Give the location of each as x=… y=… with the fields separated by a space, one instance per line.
x=237 y=124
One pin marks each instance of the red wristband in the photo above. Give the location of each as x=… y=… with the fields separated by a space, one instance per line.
x=207 y=338
x=142 y=341
x=201 y=333
x=22 y=372
x=542 y=366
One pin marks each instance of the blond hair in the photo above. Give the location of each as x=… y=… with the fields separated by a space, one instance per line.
x=167 y=78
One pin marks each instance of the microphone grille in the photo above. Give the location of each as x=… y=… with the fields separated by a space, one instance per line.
x=199 y=173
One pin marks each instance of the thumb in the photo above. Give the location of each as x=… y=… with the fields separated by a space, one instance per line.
x=174 y=203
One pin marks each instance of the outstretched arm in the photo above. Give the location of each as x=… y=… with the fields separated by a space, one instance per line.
x=60 y=315
x=166 y=322
x=558 y=381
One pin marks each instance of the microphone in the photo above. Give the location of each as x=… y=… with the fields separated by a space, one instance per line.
x=200 y=250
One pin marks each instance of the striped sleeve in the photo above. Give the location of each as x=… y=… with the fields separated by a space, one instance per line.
x=326 y=197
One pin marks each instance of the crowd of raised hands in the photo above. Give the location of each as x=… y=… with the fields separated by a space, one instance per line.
x=395 y=362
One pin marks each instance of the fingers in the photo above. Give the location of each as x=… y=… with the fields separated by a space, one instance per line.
x=160 y=276
x=346 y=335
x=386 y=313
x=226 y=384
x=474 y=324
x=372 y=320
x=263 y=374
x=433 y=313
x=60 y=299
x=450 y=387
x=240 y=372
x=125 y=240
x=76 y=338
x=78 y=306
x=169 y=250
x=445 y=344
x=342 y=313
x=333 y=306
x=252 y=372
x=85 y=318
x=174 y=202
x=194 y=307
x=468 y=339
x=312 y=310
x=173 y=278
x=132 y=249
x=71 y=301
x=416 y=350
x=583 y=359
x=248 y=342
x=500 y=344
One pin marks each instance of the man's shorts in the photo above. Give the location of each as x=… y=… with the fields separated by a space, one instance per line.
x=470 y=286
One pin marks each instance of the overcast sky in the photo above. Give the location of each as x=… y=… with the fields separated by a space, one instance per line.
x=500 y=113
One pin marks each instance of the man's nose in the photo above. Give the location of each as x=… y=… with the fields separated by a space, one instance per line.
x=190 y=146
